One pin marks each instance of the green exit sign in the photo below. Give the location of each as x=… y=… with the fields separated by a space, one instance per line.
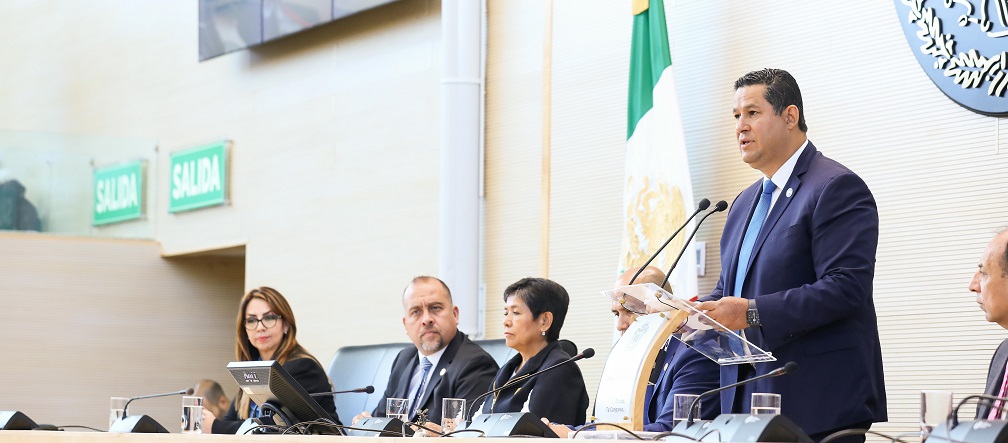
x=118 y=193
x=198 y=177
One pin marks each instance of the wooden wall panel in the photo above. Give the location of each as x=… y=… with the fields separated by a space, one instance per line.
x=88 y=319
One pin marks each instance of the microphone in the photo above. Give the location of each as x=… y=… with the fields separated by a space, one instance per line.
x=365 y=390
x=720 y=206
x=166 y=394
x=983 y=398
x=788 y=368
x=700 y=207
x=951 y=430
x=587 y=353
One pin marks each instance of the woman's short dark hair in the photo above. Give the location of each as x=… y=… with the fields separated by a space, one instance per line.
x=542 y=295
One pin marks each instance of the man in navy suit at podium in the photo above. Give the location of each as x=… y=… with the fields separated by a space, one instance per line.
x=797 y=264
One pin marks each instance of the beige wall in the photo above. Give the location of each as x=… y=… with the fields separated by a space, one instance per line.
x=335 y=159
x=335 y=141
x=93 y=318
x=936 y=169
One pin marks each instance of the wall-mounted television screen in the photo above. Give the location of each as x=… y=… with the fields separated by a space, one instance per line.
x=232 y=25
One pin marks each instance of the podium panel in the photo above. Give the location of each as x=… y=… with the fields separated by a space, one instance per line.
x=623 y=386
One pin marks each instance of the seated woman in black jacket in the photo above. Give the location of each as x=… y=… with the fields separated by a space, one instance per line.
x=266 y=331
x=534 y=311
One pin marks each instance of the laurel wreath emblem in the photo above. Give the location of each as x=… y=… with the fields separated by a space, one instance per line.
x=968 y=69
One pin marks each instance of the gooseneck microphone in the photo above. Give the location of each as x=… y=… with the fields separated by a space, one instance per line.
x=720 y=206
x=700 y=207
x=166 y=394
x=788 y=368
x=364 y=390
x=586 y=353
x=984 y=398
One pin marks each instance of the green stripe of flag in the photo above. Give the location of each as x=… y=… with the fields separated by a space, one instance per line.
x=649 y=56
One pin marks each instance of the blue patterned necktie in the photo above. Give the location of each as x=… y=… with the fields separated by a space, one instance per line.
x=425 y=366
x=755 y=224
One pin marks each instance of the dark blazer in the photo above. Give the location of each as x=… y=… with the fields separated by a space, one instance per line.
x=684 y=371
x=308 y=373
x=465 y=370
x=811 y=274
x=558 y=395
x=995 y=375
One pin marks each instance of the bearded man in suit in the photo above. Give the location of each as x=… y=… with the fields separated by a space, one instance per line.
x=455 y=366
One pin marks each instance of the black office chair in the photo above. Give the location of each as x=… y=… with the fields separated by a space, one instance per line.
x=568 y=346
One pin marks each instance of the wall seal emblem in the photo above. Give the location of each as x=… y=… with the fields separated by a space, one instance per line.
x=962 y=45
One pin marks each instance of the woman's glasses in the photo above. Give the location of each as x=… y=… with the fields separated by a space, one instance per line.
x=268 y=321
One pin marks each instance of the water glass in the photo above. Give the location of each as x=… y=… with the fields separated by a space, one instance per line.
x=681 y=406
x=453 y=412
x=936 y=406
x=398 y=408
x=116 y=405
x=764 y=403
x=192 y=415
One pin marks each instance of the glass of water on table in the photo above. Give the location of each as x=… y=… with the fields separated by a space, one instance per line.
x=398 y=408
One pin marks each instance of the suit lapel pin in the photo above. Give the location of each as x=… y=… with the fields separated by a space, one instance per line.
x=443 y=370
x=790 y=192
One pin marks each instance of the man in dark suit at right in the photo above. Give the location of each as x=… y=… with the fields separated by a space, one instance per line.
x=797 y=264
x=443 y=363
x=990 y=283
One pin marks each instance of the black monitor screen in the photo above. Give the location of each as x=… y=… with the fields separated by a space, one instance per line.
x=268 y=381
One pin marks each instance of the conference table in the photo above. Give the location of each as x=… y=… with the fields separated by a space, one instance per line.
x=105 y=437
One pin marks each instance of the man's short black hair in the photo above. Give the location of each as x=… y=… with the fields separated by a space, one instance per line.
x=781 y=90
x=542 y=295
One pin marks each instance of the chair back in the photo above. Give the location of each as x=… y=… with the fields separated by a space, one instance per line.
x=355 y=367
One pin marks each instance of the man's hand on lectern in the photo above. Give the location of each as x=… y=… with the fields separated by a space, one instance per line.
x=729 y=311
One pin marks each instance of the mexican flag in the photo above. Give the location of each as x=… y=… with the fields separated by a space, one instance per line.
x=657 y=194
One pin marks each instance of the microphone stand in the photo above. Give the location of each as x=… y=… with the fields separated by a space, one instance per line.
x=587 y=353
x=786 y=369
x=166 y=394
x=720 y=206
x=700 y=207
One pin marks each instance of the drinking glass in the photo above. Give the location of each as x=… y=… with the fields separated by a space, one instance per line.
x=398 y=408
x=116 y=405
x=452 y=413
x=680 y=407
x=935 y=408
x=192 y=415
x=764 y=403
